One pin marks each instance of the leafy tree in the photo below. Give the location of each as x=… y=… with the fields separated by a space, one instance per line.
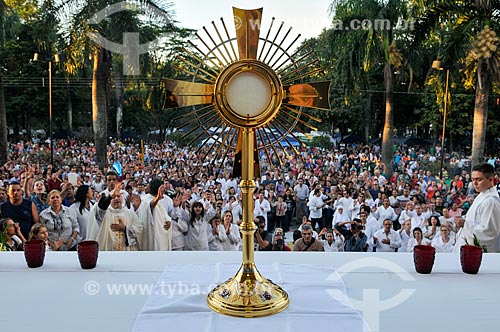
x=79 y=48
x=367 y=47
x=466 y=30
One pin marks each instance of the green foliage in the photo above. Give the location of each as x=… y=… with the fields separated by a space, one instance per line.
x=321 y=142
x=180 y=139
x=476 y=243
x=352 y=60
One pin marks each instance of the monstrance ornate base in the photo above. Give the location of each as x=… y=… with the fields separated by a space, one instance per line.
x=248 y=294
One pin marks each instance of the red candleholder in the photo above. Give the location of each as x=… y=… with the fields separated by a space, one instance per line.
x=34 y=253
x=87 y=254
x=470 y=258
x=423 y=258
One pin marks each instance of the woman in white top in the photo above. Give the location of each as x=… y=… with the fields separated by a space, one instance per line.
x=433 y=229
x=417 y=239
x=235 y=207
x=179 y=215
x=216 y=234
x=197 y=237
x=444 y=243
x=81 y=207
x=232 y=232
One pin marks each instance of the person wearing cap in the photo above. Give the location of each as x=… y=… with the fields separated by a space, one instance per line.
x=263 y=239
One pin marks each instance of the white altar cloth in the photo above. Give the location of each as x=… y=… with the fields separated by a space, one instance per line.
x=57 y=297
x=179 y=300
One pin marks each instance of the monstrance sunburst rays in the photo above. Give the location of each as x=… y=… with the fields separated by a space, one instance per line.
x=247 y=89
x=217 y=51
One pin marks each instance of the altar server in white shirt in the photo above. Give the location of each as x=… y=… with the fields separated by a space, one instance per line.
x=483 y=217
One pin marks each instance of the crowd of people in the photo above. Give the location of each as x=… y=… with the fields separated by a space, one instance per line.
x=165 y=197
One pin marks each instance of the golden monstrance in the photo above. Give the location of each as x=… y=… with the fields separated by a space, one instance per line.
x=247 y=94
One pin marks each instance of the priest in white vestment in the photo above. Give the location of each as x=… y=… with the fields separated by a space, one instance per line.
x=156 y=234
x=112 y=225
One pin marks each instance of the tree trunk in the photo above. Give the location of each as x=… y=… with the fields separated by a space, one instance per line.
x=119 y=102
x=100 y=76
x=388 y=134
x=480 y=116
x=367 y=121
x=4 y=145
x=69 y=109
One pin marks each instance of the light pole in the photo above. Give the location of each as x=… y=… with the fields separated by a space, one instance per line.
x=436 y=64
x=36 y=57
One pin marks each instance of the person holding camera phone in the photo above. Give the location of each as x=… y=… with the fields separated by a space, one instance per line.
x=279 y=241
x=355 y=238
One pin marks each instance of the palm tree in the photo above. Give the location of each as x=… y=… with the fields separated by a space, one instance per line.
x=488 y=71
x=466 y=34
x=25 y=10
x=79 y=48
x=379 y=41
